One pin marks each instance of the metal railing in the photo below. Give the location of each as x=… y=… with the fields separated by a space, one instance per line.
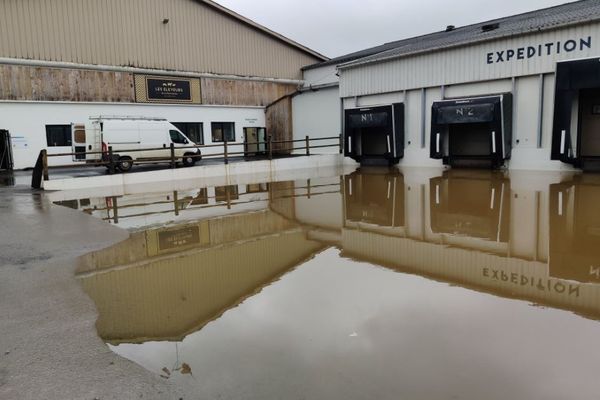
x=115 y=210
x=110 y=158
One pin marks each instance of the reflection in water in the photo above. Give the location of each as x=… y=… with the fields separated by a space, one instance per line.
x=269 y=290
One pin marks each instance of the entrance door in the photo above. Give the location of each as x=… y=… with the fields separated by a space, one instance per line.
x=254 y=141
x=589 y=114
x=6 y=159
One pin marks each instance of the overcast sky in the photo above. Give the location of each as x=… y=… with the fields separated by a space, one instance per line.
x=337 y=27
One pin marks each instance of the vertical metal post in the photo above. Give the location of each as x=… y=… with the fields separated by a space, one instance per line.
x=307 y=140
x=172 y=148
x=111 y=161
x=115 y=205
x=270 y=147
x=423 y=116
x=225 y=152
x=540 y=112
x=308 y=188
x=45 y=164
x=341 y=144
x=176 y=202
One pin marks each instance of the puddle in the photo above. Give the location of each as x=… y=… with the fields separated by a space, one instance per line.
x=377 y=284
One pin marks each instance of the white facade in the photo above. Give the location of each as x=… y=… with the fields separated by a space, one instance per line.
x=317 y=110
x=26 y=123
x=419 y=80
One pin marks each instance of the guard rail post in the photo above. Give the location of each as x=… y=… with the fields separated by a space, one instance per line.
x=172 y=148
x=307 y=140
x=111 y=161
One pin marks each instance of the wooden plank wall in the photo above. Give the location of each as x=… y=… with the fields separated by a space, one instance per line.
x=57 y=84
x=23 y=83
x=279 y=124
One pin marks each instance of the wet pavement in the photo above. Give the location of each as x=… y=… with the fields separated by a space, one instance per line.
x=377 y=284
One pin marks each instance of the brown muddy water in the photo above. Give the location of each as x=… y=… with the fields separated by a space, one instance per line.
x=374 y=285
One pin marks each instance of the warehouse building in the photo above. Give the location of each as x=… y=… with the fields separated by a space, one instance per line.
x=520 y=92
x=210 y=71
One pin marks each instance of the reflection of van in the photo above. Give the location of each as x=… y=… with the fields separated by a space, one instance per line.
x=132 y=139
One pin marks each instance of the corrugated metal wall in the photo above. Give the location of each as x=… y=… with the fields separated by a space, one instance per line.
x=464 y=64
x=198 y=38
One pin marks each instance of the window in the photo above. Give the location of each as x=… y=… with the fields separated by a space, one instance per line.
x=221 y=130
x=58 y=135
x=193 y=130
x=177 y=137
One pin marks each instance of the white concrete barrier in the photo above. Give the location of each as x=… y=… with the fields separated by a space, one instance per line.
x=200 y=176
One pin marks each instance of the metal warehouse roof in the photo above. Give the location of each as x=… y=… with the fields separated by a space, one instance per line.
x=535 y=21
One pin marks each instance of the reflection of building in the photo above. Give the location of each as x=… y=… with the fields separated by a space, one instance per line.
x=165 y=283
x=375 y=197
x=476 y=229
x=575 y=230
x=471 y=204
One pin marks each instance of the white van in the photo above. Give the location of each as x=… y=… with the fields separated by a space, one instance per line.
x=132 y=139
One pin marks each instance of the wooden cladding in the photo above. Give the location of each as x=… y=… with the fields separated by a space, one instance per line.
x=234 y=93
x=63 y=84
x=57 y=84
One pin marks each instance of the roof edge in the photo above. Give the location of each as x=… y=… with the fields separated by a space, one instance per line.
x=263 y=29
x=360 y=61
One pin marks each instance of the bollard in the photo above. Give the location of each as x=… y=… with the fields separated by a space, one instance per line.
x=307 y=140
x=225 y=150
x=172 y=148
x=341 y=144
x=45 y=164
x=270 y=147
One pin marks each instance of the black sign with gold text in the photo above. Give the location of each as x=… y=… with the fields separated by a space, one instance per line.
x=168 y=89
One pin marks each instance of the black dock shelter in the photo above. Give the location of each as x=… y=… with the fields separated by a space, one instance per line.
x=576 y=129
x=375 y=135
x=472 y=132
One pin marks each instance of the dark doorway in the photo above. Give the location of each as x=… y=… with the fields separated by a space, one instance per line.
x=589 y=125
x=577 y=144
x=470 y=140
x=6 y=159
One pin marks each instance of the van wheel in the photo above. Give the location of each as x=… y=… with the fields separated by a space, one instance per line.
x=125 y=164
x=189 y=159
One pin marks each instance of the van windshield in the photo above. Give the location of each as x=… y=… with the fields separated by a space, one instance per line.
x=177 y=137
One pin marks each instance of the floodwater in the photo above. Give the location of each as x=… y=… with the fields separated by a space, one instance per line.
x=379 y=284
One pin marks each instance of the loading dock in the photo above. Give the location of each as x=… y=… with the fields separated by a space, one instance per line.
x=576 y=131
x=375 y=135
x=472 y=132
x=6 y=159
x=575 y=229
